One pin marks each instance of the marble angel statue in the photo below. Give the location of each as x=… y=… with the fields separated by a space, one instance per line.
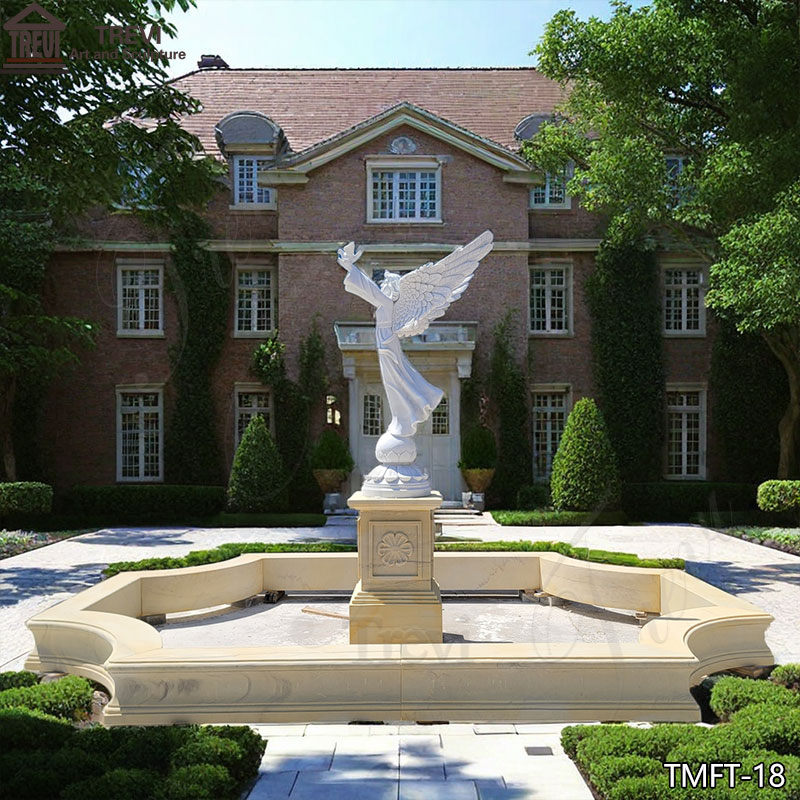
x=405 y=306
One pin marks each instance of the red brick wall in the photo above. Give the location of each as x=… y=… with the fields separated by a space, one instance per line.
x=79 y=431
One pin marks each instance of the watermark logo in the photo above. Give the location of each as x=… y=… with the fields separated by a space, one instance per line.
x=35 y=45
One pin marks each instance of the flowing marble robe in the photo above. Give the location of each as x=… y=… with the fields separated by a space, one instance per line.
x=411 y=397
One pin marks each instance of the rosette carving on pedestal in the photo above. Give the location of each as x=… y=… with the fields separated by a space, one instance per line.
x=394 y=548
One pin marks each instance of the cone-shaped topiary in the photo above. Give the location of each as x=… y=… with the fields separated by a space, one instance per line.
x=257 y=483
x=585 y=475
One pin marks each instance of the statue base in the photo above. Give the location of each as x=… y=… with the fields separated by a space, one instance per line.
x=396 y=599
x=397 y=480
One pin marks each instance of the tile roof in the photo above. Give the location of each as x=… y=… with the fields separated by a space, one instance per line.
x=314 y=104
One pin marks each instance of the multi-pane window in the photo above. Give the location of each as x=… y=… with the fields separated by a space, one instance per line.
x=552 y=193
x=550 y=299
x=683 y=301
x=333 y=416
x=249 y=404
x=139 y=442
x=549 y=418
x=254 y=301
x=440 y=418
x=685 y=433
x=139 y=308
x=372 y=422
x=404 y=195
x=245 y=182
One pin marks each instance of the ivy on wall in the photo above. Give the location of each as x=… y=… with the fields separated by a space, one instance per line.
x=508 y=395
x=749 y=393
x=200 y=282
x=297 y=404
x=628 y=362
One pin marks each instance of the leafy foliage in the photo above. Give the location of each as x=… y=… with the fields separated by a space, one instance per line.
x=200 y=281
x=53 y=172
x=533 y=497
x=624 y=303
x=749 y=393
x=677 y=501
x=508 y=392
x=143 y=503
x=731 y=694
x=267 y=362
x=68 y=698
x=536 y=517
x=331 y=452
x=585 y=473
x=779 y=496
x=25 y=497
x=701 y=81
x=787 y=675
x=15 y=680
x=257 y=477
x=478 y=449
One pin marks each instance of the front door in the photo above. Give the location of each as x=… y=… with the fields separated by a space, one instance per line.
x=437 y=439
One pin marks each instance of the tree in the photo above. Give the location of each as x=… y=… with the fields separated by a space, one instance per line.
x=585 y=475
x=124 y=140
x=717 y=87
x=257 y=482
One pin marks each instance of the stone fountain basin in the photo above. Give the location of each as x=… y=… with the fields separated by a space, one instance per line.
x=700 y=630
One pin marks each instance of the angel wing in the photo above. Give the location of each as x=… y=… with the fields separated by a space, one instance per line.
x=426 y=293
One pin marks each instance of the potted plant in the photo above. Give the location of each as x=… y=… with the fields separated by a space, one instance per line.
x=478 y=458
x=331 y=461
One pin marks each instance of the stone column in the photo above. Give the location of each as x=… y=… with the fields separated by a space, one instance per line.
x=396 y=599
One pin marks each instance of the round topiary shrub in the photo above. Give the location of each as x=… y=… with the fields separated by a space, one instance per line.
x=585 y=475
x=331 y=452
x=478 y=449
x=779 y=496
x=257 y=482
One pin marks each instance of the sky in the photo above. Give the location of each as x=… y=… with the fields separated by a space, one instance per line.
x=368 y=33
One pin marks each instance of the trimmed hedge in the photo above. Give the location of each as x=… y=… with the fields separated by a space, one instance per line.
x=25 y=497
x=16 y=680
x=144 y=502
x=533 y=497
x=766 y=726
x=676 y=501
x=731 y=694
x=42 y=756
x=68 y=698
x=779 y=496
x=543 y=518
x=585 y=475
x=787 y=675
x=233 y=549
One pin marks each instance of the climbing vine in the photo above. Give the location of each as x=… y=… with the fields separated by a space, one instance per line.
x=623 y=299
x=508 y=394
x=749 y=393
x=296 y=404
x=200 y=282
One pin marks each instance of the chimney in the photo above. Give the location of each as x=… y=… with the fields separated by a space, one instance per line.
x=212 y=62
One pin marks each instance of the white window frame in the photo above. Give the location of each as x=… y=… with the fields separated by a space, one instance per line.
x=256 y=266
x=251 y=388
x=141 y=388
x=565 y=205
x=364 y=395
x=271 y=203
x=134 y=265
x=702 y=389
x=547 y=266
x=410 y=164
x=444 y=403
x=564 y=389
x=683 y=331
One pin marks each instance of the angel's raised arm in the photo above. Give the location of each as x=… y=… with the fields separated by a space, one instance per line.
x=356 y=282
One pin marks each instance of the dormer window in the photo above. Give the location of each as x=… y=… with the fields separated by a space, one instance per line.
x=246 y=190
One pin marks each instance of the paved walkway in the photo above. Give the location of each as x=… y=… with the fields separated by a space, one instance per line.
x=416 y=762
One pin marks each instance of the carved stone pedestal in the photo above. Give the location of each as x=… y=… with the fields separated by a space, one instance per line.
x=396 y=599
